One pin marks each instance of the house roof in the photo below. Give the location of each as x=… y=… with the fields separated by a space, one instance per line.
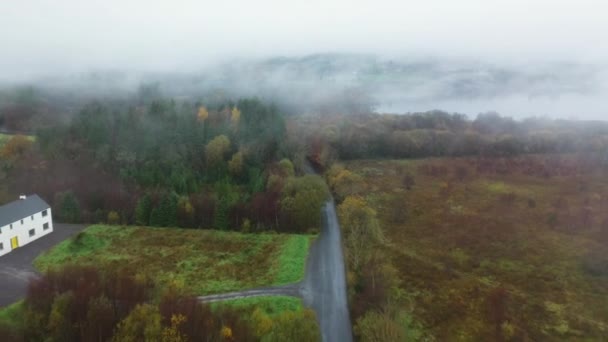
x=15 y=211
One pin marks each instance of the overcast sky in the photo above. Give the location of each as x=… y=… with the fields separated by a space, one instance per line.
x=59 y=35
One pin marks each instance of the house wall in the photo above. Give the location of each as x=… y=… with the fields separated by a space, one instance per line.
x=21 y=231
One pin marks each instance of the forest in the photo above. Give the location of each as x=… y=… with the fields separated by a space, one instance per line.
x=163 y=163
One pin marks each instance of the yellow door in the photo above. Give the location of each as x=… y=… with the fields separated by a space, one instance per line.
x=14 y=242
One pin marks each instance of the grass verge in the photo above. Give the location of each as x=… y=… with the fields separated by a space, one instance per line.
x=292 y=259
x=270 y=305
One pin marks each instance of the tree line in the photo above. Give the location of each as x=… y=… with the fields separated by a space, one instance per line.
x=84 y=303
x=163 y=163
x=440 y=134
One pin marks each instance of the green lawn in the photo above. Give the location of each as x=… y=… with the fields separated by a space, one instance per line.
x=202 y=261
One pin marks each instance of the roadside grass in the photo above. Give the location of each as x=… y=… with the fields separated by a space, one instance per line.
x=12 y=315
x=292 y=259
x=201 y=261
x=533 y=227
x=270 y=305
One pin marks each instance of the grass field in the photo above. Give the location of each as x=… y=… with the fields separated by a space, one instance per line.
x=485 y=247
x=202 y=261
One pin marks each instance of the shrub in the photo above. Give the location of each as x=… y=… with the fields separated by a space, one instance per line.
x=113 y=217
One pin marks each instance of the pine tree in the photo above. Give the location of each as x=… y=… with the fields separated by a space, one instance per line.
x=143 y=210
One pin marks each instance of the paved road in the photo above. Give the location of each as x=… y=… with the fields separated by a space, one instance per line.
x=16 y=267
x=324 y=287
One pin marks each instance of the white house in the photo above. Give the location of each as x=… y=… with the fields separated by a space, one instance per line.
x=23 y=221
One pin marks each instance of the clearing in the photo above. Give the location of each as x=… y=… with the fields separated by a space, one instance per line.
x=202 y=261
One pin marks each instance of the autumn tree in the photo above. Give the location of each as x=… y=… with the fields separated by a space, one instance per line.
x=235 y=117
x=113 y=217
x=379 y=327
x=185 y=212
x=142 y=324
x=173 y=333
x=236 y=164
x=362 y=232
x=15 y=147
x=343 y=182
x=216 y=150
x=301 y=202
x=261 y=323
x=60 y=326
x=286 y=168
x=202 y=114
x=294 y=326
x=100 y=319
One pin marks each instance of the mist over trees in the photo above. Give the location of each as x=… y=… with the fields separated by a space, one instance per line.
x=337 y=83
x=437 y=133
x=156 y=160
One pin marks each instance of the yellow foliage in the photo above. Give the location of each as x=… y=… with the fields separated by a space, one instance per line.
x=113 y=217
x=188 y=209
x=226 y=333
x=362 y=232
x=203 y=114
x=216 y=149
x=262 y=324
x=235 y=165
x=15 y=146
x=235 y=116
x=185 y=206
x=172 y=334
x=379 y=327
x=344 y=182
x=286 y=167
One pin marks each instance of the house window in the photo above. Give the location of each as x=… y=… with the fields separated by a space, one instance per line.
x=32 y=217
x=1 y=246
x=11 y=226
x=21 y=221
x=32 y=232
x=44 y=213
x=45 y=226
